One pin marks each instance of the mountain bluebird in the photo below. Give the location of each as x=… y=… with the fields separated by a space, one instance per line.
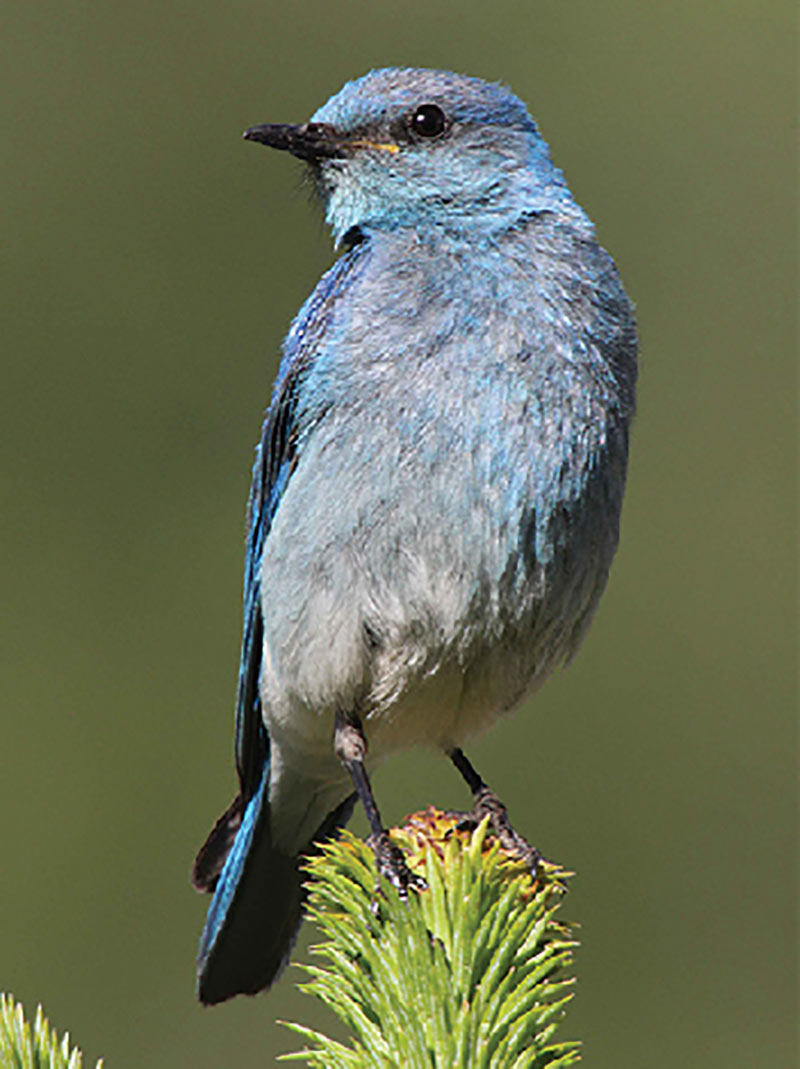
x=436 y=495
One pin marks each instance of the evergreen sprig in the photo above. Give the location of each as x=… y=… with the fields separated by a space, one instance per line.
x=23 y=1047
x=468 y=973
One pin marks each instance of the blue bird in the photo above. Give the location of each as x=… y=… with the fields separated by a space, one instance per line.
x=436 y=495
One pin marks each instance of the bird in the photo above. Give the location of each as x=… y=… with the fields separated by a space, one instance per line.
x=437 y=490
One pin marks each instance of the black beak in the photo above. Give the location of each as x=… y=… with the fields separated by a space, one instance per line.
x=311 y=141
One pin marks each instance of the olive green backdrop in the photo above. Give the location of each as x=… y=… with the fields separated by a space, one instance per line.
x=152 y=263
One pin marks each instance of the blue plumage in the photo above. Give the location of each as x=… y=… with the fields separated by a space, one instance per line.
x=436 y=494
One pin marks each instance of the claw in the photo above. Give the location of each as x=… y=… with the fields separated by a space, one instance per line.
x=391 y=863
x=488 y=804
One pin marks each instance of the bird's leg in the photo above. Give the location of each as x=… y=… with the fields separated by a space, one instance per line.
x=488 y=804
x=351 y=748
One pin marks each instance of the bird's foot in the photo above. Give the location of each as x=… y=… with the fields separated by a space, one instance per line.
x=487 y=804
x=391 y=863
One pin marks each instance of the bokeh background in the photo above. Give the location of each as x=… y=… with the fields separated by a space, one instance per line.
x=152 y=264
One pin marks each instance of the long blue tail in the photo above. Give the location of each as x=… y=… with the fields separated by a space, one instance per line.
x=257 y=908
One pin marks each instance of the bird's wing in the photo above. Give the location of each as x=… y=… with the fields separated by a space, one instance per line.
x=257 y=906
x=276 y=457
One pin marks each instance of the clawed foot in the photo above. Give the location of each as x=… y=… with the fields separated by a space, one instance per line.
x=351 y=746
x=391 y=863
x=488 y=804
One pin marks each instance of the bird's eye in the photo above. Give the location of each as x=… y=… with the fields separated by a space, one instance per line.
x=428 y=121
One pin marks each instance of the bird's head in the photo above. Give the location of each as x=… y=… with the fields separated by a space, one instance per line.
x=402 y=147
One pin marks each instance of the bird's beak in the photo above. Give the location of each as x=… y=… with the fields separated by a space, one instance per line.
x=311 y=141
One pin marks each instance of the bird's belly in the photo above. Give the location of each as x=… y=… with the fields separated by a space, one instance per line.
x=423 y=606
x=427 y=680
x=455 y=702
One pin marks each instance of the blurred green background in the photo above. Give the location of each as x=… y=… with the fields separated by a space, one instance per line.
x=153 y=262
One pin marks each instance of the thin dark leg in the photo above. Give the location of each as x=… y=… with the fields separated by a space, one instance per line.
x=351 y=748
x=475 y=783
x=488 y=804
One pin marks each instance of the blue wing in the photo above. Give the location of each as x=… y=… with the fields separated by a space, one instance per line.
x=275 y=461
x=257 y=904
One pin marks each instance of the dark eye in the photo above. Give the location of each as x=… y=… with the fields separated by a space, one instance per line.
x=428 y=121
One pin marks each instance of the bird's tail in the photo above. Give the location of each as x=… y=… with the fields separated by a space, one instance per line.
x=257 y=907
